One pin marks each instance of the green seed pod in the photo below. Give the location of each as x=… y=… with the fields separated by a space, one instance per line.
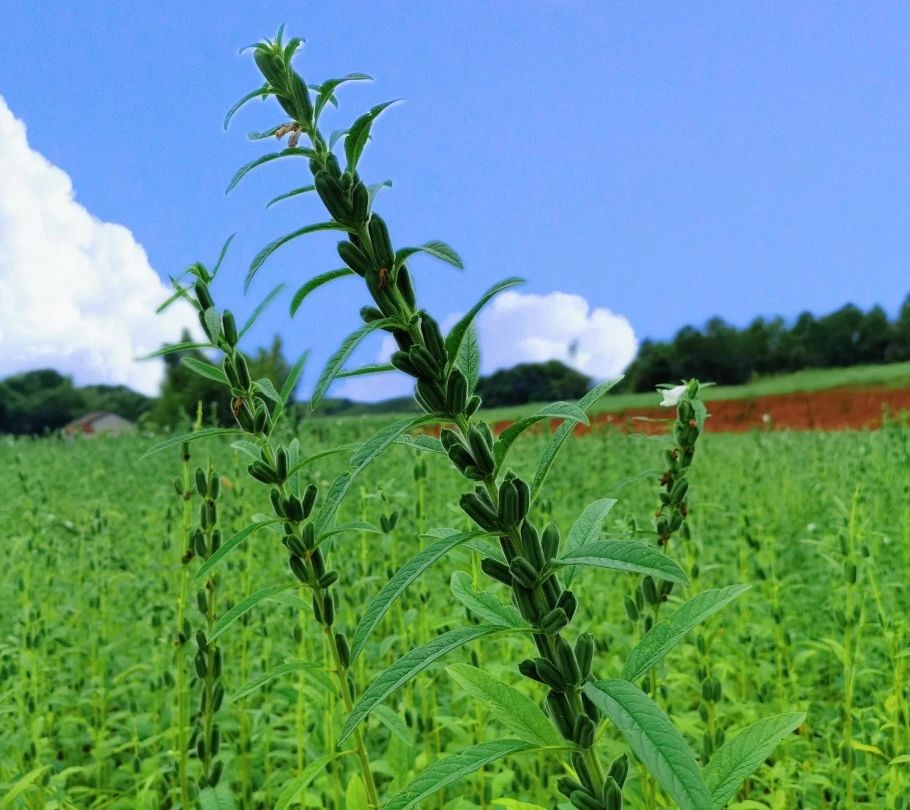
x=200 y=751
x=567 y=786
x=481 y=449
x=566 y=661
x=217 y=697
x=277 y=502
x=590 y=709
x=293 y=508
x=678 y=492
x=328 y=609
x=271 y=66
x=203 y=296
x=508 y=504
x=344 y=651
x=298 y=566
x=433 y=339
x=317 y=609
x=523 y=572
x=584 y=774
x=215 y=775
x=584 y=801
x=554 y=621
x=456 y=392
x=405 y=285
x=243 y=372
x=430 y=396
x=201 y=642
x=561 y=712
x=583 y=731
x=550 y=541
x=479 y=512
x=199 y=543
x=649 y=591
x=355 y=258
x=202 y=485
x=308 y=536
x=850 y=572
x=229 y=329
x=428 y=368
x=525 y=603
x=472 y=406
x=202 y=602
x=333 y=197
x=360 y=201
x=612 y=795
x=309 y=498
x=201 y=664
x=282 y=463
x=528 y=668
x=524 y=498
x=262 y=472
x=530 y=540
x=294 y=546
x=382 y=244
x=318 y=562
x=631 y=609
x=619 y=769
x=569 y=603
x=402 y=361
x=584 y=654
x=328 y=579
x=496 y=570
x=370 y=314
x=215 y=740
x=216 y=540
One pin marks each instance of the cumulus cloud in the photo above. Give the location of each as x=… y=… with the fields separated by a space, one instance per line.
x=527 y=328
x=76 y=294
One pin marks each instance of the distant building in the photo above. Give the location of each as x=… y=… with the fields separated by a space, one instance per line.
x=99 y=423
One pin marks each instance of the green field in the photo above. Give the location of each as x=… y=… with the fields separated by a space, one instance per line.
x=89 y=606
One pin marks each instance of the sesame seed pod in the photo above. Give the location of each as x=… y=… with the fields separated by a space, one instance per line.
x=402 y=361
x=566 y=661
x=568 y=603
x=524 y=603
x=456 y=392
x=215 y=775
x=333 y=197
x=382 y=244
x=583 y=731
x=271 y=67
x=427 y=366
x=300 y=96
x=405 y=285
x=370 y=314
x=328 y=609
x=298 y=566
x=584 y=801
x=277 y=502
x=530 y=539
x=479 y=512
x=561 y=712
x=344 y=651
x=496 y=570
x=262 y=472
x=282 y=463
x=612 y=795
x=202 y=484
x=433 y=339
x=528 y=668
x=567 y=786
x=590 y=709
x=433 y=399
x=649 y=590
x=481 y=449
x=584 y=654
x=243 y=372
x=583 y=772
x=229 y=329
x=360 y=202
x=619 y=768
x=318 y=562
x=308 y=536
x=328 y=579
x=203 y=296
x=201 y=664
x=472 y=406
x=215 y=740
x=355 y=258
x=554 y=621
x=508 y=503
x=523 y=572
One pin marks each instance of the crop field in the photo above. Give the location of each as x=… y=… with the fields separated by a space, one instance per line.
x=98 y=610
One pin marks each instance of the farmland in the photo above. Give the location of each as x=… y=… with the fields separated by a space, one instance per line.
x=818 y=523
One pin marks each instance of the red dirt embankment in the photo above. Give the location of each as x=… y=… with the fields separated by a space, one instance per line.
x=833 y=409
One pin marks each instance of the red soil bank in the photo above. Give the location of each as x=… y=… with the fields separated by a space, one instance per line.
x=833 y=409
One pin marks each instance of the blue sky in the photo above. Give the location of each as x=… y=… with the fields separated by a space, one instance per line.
x=666 y=162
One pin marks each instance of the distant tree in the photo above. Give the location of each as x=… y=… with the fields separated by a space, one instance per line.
x=38 y=401
x=899 y=346
x=532 y=382
x=118 y=399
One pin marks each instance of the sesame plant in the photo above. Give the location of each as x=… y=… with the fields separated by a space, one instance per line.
x=542 y=572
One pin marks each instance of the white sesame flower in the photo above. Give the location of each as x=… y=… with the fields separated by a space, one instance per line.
x=671 y=396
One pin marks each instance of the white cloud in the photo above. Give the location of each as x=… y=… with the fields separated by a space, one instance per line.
x=76 y=294
x=527 y=328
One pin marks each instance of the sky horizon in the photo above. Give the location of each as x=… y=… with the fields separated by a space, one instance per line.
x=643 y=167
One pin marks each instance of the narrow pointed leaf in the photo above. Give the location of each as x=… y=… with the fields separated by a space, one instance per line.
x=287 y=390
x=375 y=368
x=563 y=432
x=326 y=514
x=326 y=90
x=740 y=756
x=266 y=677
x=244 y=170
x=435 y=248
x=288 y=194
x=316 y=282
x=228 y=546
x=409 y=665
x=222 y=254
x=381 y=603
x=515 y=710
x=468 y=358
x=359 y=134
x=665 y=635
x=205 y=433
x=204 y=369
x=244 y=606
x=290 y=794
x=263 y=255
x=456 y=335
x=587 y=529
x=338 y=359
x=483 y=605
x=259 y=92
x=174 y=348
x=654 y=740
x=260 y=309
x=626 y=555
x=451 y=769
x=556 y=410
x=380 y=440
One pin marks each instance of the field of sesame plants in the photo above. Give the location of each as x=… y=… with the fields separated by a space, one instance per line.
x=430 y=612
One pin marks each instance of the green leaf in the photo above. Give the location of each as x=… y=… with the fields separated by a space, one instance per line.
x=217 y=798
x=456 y=335
x=395 y=724
x=244 y=170
x=451 y=769
x=266 y=677
x=381 y=603
x=338 y=359
x=259 y=92
x=260 y=309
x=515 y=710
x=292 y=790
x=626 y=555
x=587 y=529
x=288 y=194
x=436 y=249
x=248 y=449
x=556 y=410
x=267 y=388
x=359 y=134
x=664 y=635
x=354 y=526
x=375 y=368
x=222 y=254
x=287 y=390
x=181 y=292
x=743 y=754
x=409 y=665
x=206 y=370
x=654 y=739
x=316 y=282
x=563 y=432
x=228 y=546
x=205 y=433
x=355 y=796
x=380 y=440
x=484 y=605
x=263 y=255
x=174 y=348
x=21 y=785
x=244 y=606
x=212 y=318
x=428 y=444
x=337 y=490
x=468 y=358
x=327 y=89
